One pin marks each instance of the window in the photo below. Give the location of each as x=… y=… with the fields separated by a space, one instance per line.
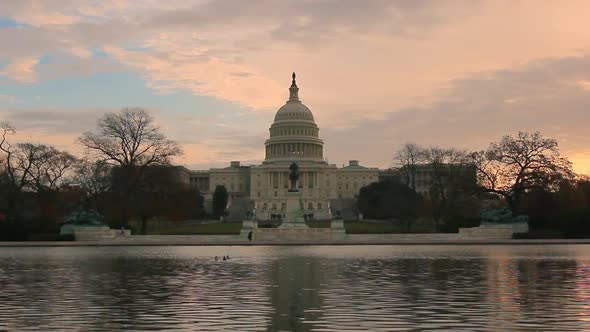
x=258 y=193
x=310 y=206
x=276 y=194
x=319 y=206
x=274 y=206
x=264 y=206
x=346 y=186
x=283 y=206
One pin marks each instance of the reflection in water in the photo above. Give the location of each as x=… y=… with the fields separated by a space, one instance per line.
x=378 y=288
x=294 y=293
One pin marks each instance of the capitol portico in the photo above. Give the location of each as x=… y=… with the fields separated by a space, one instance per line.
x=294 y=137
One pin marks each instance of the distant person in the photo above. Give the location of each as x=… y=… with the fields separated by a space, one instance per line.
x=216 y=258
x=122 y=230
x=224 y=258
x=250 y=236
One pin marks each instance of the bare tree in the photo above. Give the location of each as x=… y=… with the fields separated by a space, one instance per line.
x=407 y=160
x=130 y=139
x=448 y=170
x=515 y=165
x=94 y=177
x=50 y=167
x=30 y=167
x=18 y=160
x=16 y=170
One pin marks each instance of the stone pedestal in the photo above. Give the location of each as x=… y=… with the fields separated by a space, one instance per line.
x=247 y=227
x=337 y=229
x=94 y=233
x=294 y=216
x=494 y=231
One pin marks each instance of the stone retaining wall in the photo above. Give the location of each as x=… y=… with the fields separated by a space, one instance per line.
x=293 y=234
x=82 y=234
x=99 y=233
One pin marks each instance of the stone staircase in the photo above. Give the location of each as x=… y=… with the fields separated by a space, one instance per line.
x=238 y=208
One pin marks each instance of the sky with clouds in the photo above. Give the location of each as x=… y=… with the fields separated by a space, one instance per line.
x=375 y=73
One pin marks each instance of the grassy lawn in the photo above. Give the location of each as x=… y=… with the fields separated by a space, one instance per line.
x=359 y=227
x=355 y=227
x=352 y=227
x=226 y=228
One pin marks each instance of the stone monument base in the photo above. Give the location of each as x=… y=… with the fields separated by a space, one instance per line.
x=247 y=227
x=297 y=235
x=494 y=231
x=337 y=228
x=294 y=216
x=93 y=233
x=293 y=234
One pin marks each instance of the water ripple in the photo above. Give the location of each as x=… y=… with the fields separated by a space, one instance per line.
x=383 y=288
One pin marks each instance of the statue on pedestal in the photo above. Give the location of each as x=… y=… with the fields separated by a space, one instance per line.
x=293 y=176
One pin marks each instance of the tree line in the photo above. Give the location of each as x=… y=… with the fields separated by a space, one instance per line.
x=126 y=173
x=525 y=173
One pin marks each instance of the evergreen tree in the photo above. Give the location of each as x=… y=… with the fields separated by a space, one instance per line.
x=220 y=197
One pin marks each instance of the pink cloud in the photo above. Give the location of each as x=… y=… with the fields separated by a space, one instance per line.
x=40 y=14
x=22 y=70
x=356 y=67
x=178 y=67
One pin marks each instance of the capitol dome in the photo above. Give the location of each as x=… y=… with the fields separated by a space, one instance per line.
x=294 y=108
x=294 y=133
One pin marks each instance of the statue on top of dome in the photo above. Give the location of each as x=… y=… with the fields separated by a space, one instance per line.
x=294 y=90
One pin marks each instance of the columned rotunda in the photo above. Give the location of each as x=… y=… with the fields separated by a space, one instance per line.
x=294 y=133
x=294 y=137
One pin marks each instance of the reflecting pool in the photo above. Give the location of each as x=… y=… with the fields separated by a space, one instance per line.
x=296 y=288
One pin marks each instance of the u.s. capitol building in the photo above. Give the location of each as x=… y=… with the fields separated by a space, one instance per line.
x=294 y=137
